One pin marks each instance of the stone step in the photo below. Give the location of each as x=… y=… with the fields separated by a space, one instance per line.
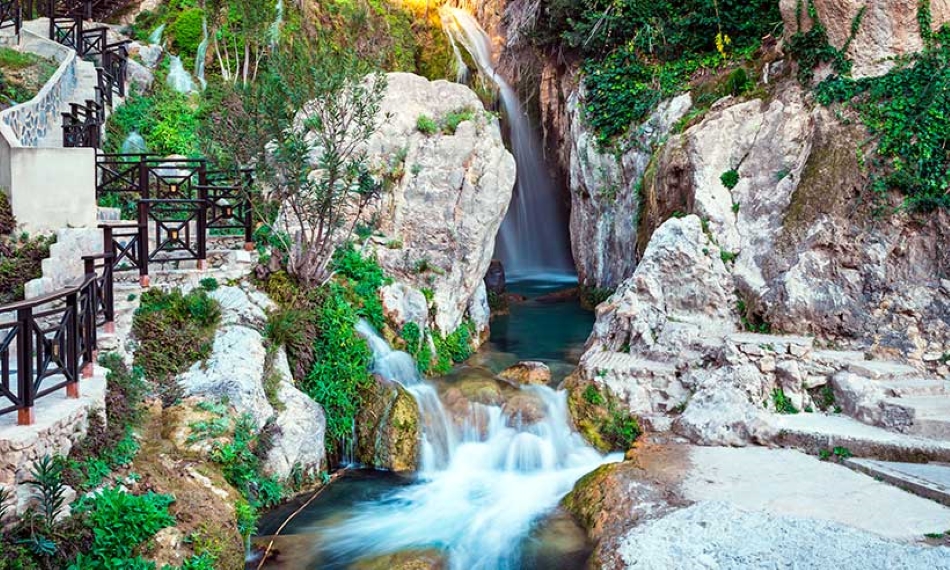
x=928 y=416
x=837 y=358
x=822 y=432
x=928 y=480
x=626 y=364
x=917 y=387
x=883 y=370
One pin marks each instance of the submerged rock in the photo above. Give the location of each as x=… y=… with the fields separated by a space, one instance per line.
x=388 y=428
x=428 y=559
x=527 y=372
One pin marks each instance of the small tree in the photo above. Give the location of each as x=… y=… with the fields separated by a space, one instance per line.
x=315 y=165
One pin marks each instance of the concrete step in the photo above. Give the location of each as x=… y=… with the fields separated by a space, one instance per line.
x=817 y=432
x=928 y=416
x=928 y=480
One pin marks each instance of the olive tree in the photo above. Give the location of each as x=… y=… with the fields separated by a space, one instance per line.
x=317 y=110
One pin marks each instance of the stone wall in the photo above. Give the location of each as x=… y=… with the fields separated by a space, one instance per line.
x=29 y=123
x=60 y=424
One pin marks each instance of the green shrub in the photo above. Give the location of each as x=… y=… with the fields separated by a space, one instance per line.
x=209 y=284
x=121 y=523
x=730 y=179
x=340 y=366
x=174 y=331
x=621 y=429
x=21 y=260
x=593 y=396
x=240 y=460
x=781 y=402
x=363 y=277
x=455 y=118
x=426 y=125
x=186 y=32
x=111 y=444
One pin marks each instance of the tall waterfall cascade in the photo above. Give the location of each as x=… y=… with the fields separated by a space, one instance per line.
x=534 y=237
x=483 y=482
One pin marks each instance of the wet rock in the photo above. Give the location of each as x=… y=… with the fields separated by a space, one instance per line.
x=388 y=428
x=572 y=294
x=495 y=278
x=403 y=304
x=428 y=559
x=524 y=409
x=598 y=415
x=527 y=372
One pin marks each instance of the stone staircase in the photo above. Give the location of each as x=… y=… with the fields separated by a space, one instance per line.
x=84 y=88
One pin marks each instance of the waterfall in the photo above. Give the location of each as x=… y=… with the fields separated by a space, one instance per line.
x=483 y=483
x=202 y=54
x=134 y=144
x=155 y=38
x=179 y=79
x=277 y=23
x=534 y=235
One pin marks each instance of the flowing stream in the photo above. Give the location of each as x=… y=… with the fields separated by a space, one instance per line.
x=489 y=481
x=533 y=238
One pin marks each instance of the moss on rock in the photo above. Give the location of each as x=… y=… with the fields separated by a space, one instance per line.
x=388 y=428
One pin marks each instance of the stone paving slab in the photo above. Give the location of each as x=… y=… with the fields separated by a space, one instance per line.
x=929 y=480
x=785 y=482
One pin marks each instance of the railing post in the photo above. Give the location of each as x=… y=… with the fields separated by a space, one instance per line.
x=143 y=179
x=74 y=331
x=247 y=181
x=203 y=205
x=143 y=243
x=24 y=368
x=108 y=295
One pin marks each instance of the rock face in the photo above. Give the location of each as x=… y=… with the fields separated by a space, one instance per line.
x=605 y=204
x=388 y=428
x=242 y=371
x=450 y=192
x=889 y=28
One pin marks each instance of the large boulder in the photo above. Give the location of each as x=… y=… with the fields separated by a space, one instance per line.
x=888 y=28
x=450 y=191
x=252 y=381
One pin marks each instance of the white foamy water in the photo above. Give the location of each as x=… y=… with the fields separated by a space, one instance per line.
x=483 y=483
x=179 y=79
x=533 y=237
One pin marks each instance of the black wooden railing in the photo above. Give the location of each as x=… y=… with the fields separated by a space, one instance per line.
x=178 y=203
x=49 y=342
x=11 y=15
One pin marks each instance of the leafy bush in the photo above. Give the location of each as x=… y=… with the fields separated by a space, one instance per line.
x=638 y=52
x=781 y=402
x=186 y=32
x=455 y=118
x=209 y=284
x=240 y=460
x=341 y=364
x=363 y=276
x=21 y=260
x=426 y=125
x=730 y=179
x=908 y=113
x=621 y=429
x=111 y=444
x=174 y=331
x=121 y=523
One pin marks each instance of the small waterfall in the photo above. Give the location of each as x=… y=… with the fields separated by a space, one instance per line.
x=277 y=23
x=155 y=38
x=202 y=55
x=179 y=79
x=462 y=73
x=484 y=481
x=534 y=235
x=134 y=144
